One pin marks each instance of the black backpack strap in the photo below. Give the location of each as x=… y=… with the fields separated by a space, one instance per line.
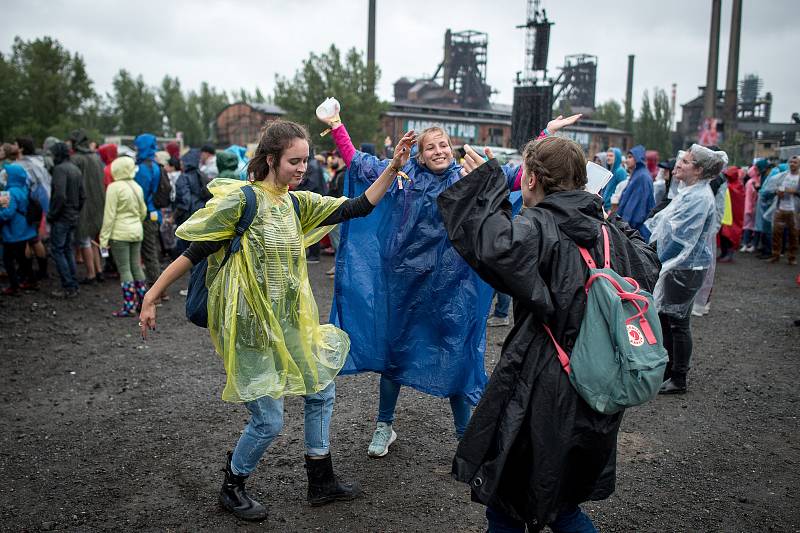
x=246 y=218
x=296 y=204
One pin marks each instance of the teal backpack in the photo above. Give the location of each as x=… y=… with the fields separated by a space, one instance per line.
x=619 y=358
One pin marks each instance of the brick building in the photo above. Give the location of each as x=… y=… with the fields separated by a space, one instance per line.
x=241 y=122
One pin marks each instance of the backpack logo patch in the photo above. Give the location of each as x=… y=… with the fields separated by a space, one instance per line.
x=635 y=336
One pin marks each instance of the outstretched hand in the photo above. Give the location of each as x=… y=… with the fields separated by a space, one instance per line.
x=147 y=317
x=403 y=149
x=473 y=159
x=561 y=122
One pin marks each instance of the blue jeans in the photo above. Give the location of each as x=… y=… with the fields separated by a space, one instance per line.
x=502 y=305
x=389 y=391
x=61 y=250
x=574 y=521
x=266 y=422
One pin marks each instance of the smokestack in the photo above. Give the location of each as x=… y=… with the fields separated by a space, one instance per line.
x=731 y=82
x=629 y=96
x=672 y=106
x=371 y=49
x=710 y=101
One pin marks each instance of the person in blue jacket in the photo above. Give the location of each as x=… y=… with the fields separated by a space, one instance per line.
x=637 y=200
x=414 y=309
x=16 y=231
x=618 y=175
x=148 y=176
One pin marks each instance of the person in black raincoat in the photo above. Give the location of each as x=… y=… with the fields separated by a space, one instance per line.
x=534 y=449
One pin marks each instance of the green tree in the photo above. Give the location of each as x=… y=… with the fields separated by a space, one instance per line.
x=44 y=87
x=328 y=74
x=178 y=115
x=734 y=147
x=135 y=106
x=652 y=128
x=207 y=104
x=611 y=113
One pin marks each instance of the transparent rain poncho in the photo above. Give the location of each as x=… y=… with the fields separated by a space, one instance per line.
x=262 y=316
x=681 y=232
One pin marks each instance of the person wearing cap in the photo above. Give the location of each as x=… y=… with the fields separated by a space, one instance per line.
x=662 y=183
x=208 y=161
x=122 y=231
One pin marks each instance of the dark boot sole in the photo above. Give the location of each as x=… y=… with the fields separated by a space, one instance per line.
x=228 y=507
x=672 y=391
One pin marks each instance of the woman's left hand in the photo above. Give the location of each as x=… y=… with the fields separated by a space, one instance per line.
x=561 y=122
x=403 y=150
x=473 y=159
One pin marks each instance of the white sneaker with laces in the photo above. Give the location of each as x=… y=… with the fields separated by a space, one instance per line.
x=383 y=437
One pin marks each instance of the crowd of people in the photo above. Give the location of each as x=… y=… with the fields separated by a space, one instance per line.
x=423 y=241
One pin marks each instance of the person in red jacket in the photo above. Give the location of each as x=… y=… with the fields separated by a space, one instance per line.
x=108 y=153
x=731 y=235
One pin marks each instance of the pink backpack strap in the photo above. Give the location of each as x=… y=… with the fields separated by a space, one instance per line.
x=563 y=358
x=587 y=258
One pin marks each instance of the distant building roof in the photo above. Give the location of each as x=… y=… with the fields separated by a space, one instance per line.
x=270 y=109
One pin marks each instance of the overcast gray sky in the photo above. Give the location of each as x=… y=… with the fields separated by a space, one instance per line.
x=244 y=43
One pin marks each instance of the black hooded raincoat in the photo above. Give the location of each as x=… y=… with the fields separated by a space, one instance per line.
x=534 y=447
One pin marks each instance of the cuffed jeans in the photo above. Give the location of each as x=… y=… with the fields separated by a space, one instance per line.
x=572 y=521
x=390 y=391
x=266 y=422
x=61 y=250
x=502 y=305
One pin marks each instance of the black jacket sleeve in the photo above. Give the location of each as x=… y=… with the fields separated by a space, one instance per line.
x=351 y=208
x=58 y=193
x=506 y=253
x=199 y=250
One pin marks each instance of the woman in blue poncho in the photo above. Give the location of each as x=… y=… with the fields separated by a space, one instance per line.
x=415 y=311
x=618 y=175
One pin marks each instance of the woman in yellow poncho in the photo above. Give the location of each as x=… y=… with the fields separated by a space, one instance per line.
x=262 y=316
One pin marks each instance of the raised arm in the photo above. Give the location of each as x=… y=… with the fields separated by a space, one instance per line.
x=504 y=252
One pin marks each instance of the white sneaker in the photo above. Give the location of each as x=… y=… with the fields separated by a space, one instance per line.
x=743 y=248
x=496 y=321
x=750 y=249
x=183 y=292
x=383 y=437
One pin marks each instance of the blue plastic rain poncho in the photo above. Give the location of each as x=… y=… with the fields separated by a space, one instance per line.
x=618 y=175
x=262 y=316
x=241 y=154
x=148 y=173
x=768 y=198
x=414 y=310
x=637 y=200
x=15 y=227
x=680 y=232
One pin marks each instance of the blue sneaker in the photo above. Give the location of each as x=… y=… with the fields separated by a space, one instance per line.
x=383 y=437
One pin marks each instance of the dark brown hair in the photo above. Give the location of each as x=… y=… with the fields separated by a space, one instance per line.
x=559 y=164
x=274 y=139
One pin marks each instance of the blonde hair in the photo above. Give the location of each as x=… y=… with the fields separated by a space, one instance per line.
x=428 y=131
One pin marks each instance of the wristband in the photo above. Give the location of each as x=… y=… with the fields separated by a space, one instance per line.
x=546 y=132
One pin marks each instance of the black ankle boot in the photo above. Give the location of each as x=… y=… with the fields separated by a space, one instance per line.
x=323 y=485
x=674 y=385
x=233 y=497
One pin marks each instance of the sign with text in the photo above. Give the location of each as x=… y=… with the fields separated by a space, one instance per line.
x=466 y=132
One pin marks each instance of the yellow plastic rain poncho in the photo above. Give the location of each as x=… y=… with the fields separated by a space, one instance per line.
x=262 y=315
